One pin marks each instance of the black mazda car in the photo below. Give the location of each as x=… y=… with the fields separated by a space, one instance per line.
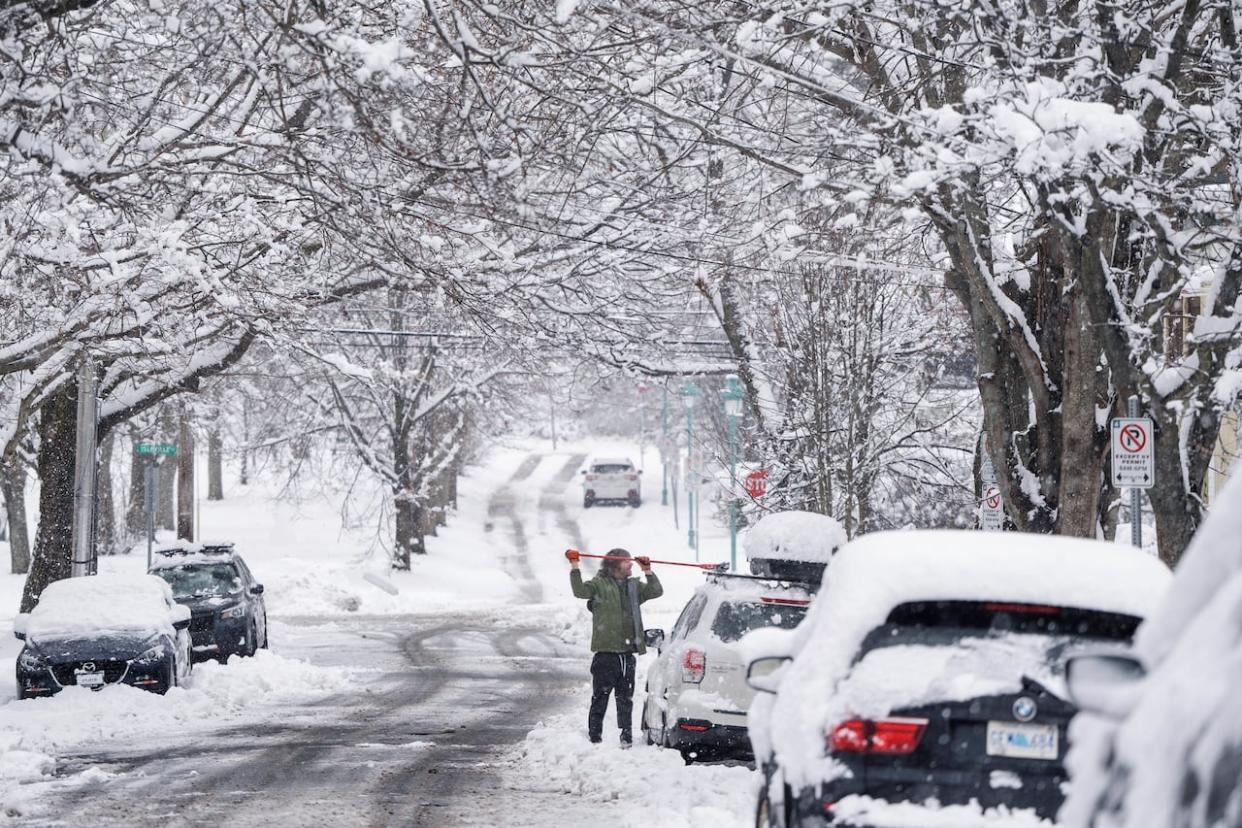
x=103 y=630
x=228 y=612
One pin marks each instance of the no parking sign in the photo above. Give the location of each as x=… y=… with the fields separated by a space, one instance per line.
x=1134 y=458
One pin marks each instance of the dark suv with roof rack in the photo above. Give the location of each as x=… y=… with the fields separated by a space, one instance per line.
x=228 y=614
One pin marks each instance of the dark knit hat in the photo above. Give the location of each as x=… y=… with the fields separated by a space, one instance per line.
x=617 y=553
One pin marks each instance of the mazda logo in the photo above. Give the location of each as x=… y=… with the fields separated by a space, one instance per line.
x=1024 y=709
x=89 y=666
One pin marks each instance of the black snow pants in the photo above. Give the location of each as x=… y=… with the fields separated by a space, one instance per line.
x=611 y=672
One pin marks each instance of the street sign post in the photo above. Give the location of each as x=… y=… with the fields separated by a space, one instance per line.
x=152 y=453
x=1134 y=462
x=756 y=484
x=1134 y=458
x=991 y=509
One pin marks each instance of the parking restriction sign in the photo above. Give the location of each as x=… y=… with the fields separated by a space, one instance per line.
x=1134 y=460
x=991 y=511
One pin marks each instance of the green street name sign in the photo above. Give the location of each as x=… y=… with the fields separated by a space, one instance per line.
x=169 y=449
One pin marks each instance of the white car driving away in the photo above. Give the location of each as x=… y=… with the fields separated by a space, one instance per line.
x=611 y=480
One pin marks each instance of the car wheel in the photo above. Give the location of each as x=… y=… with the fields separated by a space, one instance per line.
x=252 y=638
x=265 y=629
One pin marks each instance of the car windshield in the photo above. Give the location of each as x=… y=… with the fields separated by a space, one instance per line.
x=202 y=580
x=736 y=618
x=951 y=650
x=611 y=468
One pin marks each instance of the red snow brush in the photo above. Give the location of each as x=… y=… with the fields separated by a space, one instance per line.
x=650 y=560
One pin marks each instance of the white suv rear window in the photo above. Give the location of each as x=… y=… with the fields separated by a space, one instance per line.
x=736 y=618
x=611 y=468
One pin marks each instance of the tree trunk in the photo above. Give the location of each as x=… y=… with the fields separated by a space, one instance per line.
x=1078 y=511
x=53 y=553
x=215 y=465
x=13 y=489
x=105 y=510
x=136 y=508
x=185 y=478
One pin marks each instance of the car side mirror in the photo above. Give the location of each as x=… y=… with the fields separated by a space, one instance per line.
x=1106 y=684
x=181 y=624
x=764 y=674
x=655 y=638
x=19 y=625
x=582 y=472
x=257 y=589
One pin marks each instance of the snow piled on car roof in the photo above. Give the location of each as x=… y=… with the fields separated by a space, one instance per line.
x=189 y=559
x=102 y=603
x=795 y=536
x=875 y=573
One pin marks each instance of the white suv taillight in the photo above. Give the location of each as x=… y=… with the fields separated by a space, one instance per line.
x=693 y=666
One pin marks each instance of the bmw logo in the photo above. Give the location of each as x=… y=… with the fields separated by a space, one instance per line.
x=1024 y=709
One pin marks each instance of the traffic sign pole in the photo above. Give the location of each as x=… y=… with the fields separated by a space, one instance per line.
x=1136 y=496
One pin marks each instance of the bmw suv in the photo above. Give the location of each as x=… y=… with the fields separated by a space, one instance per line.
x=228 y=611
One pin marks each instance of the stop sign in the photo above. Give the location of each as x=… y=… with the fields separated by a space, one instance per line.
x=756 y=483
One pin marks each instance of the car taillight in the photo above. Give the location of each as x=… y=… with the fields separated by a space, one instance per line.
x=784 y=602
x=693 y=666
x=590 y=477
x=631 y=477
x=891 y=737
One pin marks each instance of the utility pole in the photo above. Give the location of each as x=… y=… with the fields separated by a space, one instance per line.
x=83 y=532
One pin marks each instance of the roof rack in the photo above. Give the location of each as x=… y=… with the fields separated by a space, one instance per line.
x=778 y=583
x=215 y=548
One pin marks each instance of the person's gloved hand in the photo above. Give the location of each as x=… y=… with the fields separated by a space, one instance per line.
x=572 y=556
x=644 y=563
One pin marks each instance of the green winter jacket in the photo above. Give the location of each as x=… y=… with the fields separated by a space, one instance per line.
x=609 y=600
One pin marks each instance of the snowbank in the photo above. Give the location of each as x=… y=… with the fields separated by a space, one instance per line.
x=36 y=732
x=878 y=814
x=641 y=787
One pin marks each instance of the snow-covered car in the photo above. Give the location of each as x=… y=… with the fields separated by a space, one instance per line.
x=929 y=673
x=697 y=693
x=103 y=629
x=611 y=480
x=1159 y=742
x=227 y=607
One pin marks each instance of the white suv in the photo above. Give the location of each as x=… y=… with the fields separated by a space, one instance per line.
x=613 y=480
x=697 y=695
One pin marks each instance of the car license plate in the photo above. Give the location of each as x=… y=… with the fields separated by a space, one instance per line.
x=1022 y=741
x=89 y=679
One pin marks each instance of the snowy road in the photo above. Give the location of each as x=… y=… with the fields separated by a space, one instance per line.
x=416 y=746
x=467 y=712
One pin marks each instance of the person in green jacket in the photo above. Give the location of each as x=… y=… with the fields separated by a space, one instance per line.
x=613 y=598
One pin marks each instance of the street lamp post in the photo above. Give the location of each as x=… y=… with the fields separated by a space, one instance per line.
x=664 y=446
x=688 y=394
x=732 y=397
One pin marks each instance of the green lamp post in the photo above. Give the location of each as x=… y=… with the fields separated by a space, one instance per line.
x=688 y=395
